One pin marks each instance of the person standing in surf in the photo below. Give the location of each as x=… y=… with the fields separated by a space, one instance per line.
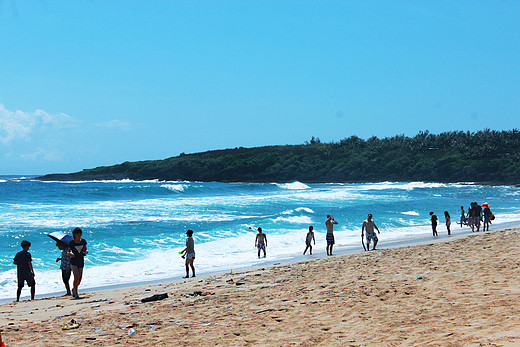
x=189 y=254
x=434 y=220
x=448 y=221
x=24 y=269
x=261 y=242
x=462 y=216
x=309 y=239
x=369 y=225
x=65 y=265
x=329 y=223
x=77 y=252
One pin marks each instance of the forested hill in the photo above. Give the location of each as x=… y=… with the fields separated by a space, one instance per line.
x=487 y=157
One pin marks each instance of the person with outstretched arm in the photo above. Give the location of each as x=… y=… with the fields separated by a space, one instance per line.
x=329 y=223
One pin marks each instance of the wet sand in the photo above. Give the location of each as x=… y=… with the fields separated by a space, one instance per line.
x=450 y=292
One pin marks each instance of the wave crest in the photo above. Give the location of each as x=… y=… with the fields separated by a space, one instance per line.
x=293 y=186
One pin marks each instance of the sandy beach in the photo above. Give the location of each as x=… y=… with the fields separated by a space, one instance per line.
x=450 y=292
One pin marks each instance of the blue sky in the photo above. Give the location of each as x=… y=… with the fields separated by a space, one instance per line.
x=91 y=83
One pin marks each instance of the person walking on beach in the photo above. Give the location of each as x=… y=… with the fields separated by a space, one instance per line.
x=261 y=242
x=487 y=216
x=478 y=215
x=24 y=269
x=369 y=226
x=434 y=223
x=329 y=223
x=77 y=252
x=188 y=253
x=309 y=239
x=65 y=265
x=448 y=221
x=462 y=216
x=471 y=217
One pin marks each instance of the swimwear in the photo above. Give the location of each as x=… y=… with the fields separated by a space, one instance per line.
x=261 y=246
x=22 y=278
x=310 y=236
x=190 y=255
x=371 y=236
x=330 y=239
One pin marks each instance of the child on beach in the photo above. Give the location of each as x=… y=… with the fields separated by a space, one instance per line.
x=78 y=250
x=309 y=239
x=24 y=269
x=261 y=242
x=189 y=254
x=65 y=265
x=434 y=223
x=462 y=216
x=448 y=221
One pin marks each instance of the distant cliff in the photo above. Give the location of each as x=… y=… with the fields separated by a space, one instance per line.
x=486 y=156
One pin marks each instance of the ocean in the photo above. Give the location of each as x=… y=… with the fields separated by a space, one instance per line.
x=135 y=229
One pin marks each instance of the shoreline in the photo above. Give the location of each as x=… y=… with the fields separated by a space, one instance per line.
x=460 y=289
x=457 y=232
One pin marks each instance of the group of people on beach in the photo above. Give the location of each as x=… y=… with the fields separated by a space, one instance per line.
x=476 y=214
x=73 y=253
x=72 y=261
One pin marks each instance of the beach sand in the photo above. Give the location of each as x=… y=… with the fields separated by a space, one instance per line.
x=461 y=291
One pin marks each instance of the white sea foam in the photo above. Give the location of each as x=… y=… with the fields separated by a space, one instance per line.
x=175 y=187
x=294 y=219
x=404 y=185
x=299 y=209
x=293 y=186
x=306 y=209
x=220 y=220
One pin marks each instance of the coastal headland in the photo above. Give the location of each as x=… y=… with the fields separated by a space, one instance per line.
x=487 y=157
x=458 y=291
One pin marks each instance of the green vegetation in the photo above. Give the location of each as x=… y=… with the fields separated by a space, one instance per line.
x=487 y=156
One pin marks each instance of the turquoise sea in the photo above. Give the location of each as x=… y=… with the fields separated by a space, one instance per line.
x=135 y=230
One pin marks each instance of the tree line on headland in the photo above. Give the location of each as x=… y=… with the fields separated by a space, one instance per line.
x=489 y=157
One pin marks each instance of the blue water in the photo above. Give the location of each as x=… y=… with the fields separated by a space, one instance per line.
x=135 y=230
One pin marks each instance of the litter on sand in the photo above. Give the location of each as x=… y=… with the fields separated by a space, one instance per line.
x=155 y=297
x=71 y=325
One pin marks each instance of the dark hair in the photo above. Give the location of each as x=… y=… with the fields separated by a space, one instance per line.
x=189 y=232
x=77 y=231
x=446 y=213
x=25 y=243
x=370 y=215
x=311 y=227
x=259 y=229
x=431 y=213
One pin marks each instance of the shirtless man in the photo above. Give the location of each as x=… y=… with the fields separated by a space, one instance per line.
x=261 y=242
x=369 y=225
x=329 y=223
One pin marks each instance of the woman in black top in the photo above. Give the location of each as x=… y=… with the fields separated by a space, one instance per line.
x=77 y=251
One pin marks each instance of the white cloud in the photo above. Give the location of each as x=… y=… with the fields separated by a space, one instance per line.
x=20 y=125
x=115 y=124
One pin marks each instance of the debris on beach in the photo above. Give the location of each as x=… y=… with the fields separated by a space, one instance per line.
x=71 y=325
x=198 y=293
x=155 y=297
